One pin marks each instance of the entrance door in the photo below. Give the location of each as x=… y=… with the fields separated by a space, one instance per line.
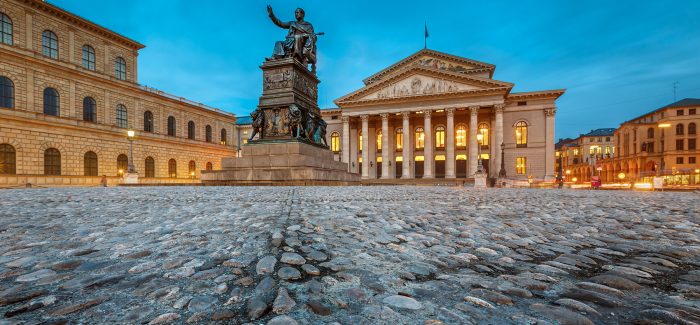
x=399 y=169
x=485 y=163
x=419 y=169
x=439 y=169
x=461 y=166
x=379 y=170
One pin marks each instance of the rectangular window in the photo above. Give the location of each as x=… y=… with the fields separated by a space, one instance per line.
x=692 y=111
x=607 y=139
x=591 y=150
x=679 y=144
x=521 y=165
x=679 y=112
x=522 y=103
x=691 y=144
x=679 y=160
x=607 y=150
x=691 y=160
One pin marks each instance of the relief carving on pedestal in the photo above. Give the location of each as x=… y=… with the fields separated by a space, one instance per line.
x=276 y=79
x=305 y=85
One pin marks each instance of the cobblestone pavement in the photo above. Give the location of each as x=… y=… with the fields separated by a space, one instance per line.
x=351 y=255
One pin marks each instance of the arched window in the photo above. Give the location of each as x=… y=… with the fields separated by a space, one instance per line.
x=420 y=138
x=521 y=134
x=190 y=130
x=379 y=140
x=440 y=137
x=49 y=44
x=52 y=162
x=484 y=131
x=172 y=168
x=8 y=158
x=90 y=164
x=150 y=167
x=120 y=68
x=210 y=166
x=192 y=168
x=399 y=139
x=679 y=129
x=122 y=164
x=148 y=121
x=335 y=142
x=171 y=126
x=691 y=128
x=5 y=29
x=89 y=109
x=207 y=133
x=51 y=102
x=224 y=137
x=88 y=57
x=650 y=133
x=461 y=136
x=122 y=121
x=7 y=93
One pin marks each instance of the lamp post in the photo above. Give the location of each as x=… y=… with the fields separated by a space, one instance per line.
x=502 y=172
x=130 y=136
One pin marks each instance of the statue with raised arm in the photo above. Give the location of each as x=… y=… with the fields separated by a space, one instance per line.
x=300 y=42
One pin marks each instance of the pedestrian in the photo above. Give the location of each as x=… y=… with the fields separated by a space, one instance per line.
x=103 y=181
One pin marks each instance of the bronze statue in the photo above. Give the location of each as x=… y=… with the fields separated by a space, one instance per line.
x=296 y=125
x=300 y=42
x=322 y=132
x=258 y=123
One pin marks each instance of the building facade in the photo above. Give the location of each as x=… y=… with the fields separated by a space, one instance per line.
x=582 y=157
x=662 y=142
x=436 y=115
x=68 y=94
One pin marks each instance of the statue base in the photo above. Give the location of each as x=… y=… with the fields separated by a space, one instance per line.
x=281 y=162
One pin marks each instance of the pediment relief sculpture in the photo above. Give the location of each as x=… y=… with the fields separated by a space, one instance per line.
x=418 y=86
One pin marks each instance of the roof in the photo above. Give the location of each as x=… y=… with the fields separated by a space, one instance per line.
x=244 y=120
x=686 y=102
x=600 y=132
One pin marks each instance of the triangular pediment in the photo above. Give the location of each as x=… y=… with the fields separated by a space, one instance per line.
x=418 y=81
x=437 y=61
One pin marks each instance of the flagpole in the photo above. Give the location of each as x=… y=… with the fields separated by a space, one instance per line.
x=425 y=38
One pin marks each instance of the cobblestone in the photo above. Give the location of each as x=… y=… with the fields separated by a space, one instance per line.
x=369 y=255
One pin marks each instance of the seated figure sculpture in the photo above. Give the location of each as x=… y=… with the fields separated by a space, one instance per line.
x=300 y=42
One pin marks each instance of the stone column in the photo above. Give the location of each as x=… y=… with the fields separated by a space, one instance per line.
x=428 y=149
x=473 y=143
x=386 y=157
x=450 y=143
x=406 y=151
x=498 y=132
x=549 y=143
x=346 y=141
x=365 y=146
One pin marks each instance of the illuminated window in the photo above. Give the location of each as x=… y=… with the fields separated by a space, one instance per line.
x=521 y=135
x=399 y=139
x=607 y=150
x=7 y=159
x=90 y=164
x=192 y=168
x=359 y=139
x=379 y=140
x=521 y=165
x=591 y=150
x=224 y=137
x=461 y=136
x=122 y=163
x=335 y=142
x=420 y=138
x=484 y=131
x=575 y=152
x=440 y=137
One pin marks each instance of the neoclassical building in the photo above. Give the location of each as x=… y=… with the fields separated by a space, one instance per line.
x=436 y=115
x=68 y=94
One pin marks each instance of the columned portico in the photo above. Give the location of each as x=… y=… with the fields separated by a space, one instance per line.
x=498 y=129
x=473 y=143
x=386 y=150
x=450 y=143
x=406 y=150
x=365 y=146
x=428 y=158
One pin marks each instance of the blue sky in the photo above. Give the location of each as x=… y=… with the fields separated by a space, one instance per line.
x=617 y=59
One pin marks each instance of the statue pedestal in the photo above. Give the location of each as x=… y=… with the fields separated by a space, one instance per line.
x=130 y=178
x=480 y=180
x=285 y=162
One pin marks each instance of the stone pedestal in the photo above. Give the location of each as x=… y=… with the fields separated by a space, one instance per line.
x=130 y=178
x=480 y=180
x=281 y=163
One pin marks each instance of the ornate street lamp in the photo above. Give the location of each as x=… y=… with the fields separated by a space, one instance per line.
x=130 y=136
x=502 y=172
